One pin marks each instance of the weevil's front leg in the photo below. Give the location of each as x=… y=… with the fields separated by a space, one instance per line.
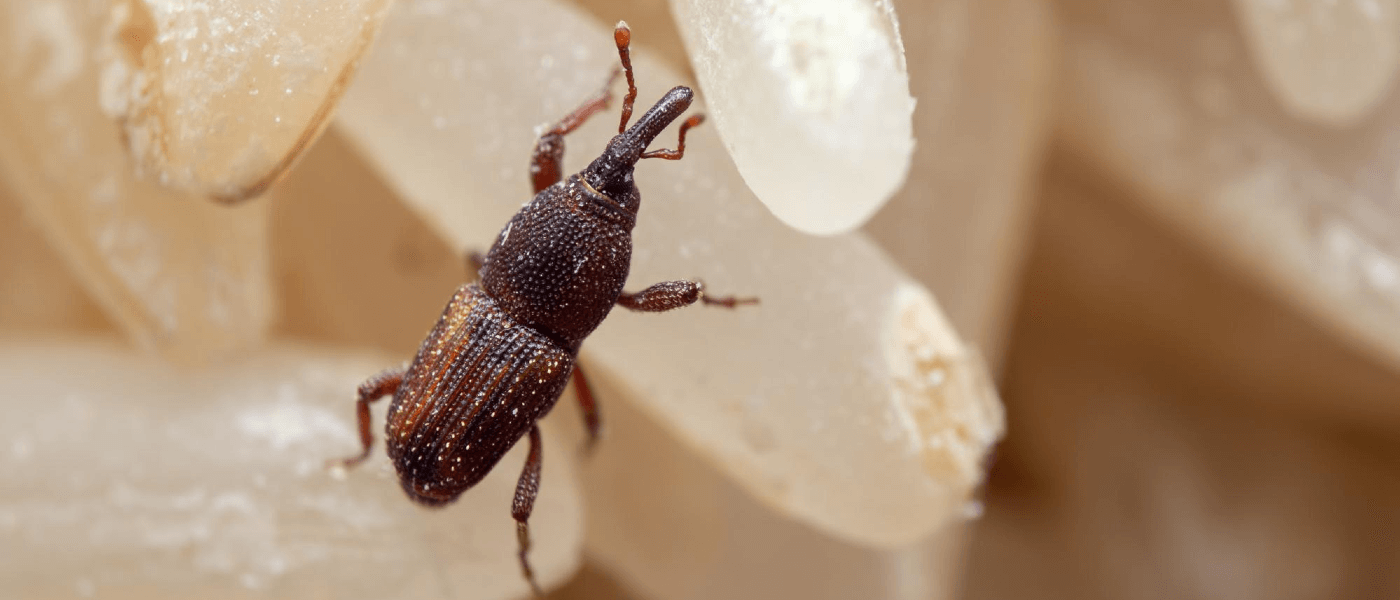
x=525 y=492
x=589 y=405
x=547 y=163
x=376 y=387
x=669 y=295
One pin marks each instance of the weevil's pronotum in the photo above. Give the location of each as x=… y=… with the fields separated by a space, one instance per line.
x=503 y=350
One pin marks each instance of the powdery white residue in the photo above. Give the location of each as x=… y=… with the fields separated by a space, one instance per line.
x=222 y=532
x=944 y=405
x=283 y=424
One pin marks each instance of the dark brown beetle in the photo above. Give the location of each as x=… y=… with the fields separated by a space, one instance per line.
x=503 y=351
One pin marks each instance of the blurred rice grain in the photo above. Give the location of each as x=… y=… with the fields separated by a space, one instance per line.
x=1172 y=227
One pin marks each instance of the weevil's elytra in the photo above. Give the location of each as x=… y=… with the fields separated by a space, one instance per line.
x=503 y=351
x=500 y=376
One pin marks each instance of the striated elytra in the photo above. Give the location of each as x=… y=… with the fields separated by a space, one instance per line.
x=503 y=350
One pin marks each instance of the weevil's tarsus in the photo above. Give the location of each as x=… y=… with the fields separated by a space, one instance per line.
x=379 y=386
x=680 y=143
x=592 y=421
x=622 y=36
x=727 y=301
x=547 y=161
x=525 y=492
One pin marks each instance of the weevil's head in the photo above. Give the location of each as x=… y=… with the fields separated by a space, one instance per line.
x=611 y=173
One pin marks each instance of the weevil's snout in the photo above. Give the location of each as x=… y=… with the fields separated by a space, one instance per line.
x=615 y=165
x=669 y=108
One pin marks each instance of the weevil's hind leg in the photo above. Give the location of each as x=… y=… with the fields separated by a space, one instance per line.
x=376 y=387
x=525 y=492
x=669 y=295
x=547 y=162
x=589 y=404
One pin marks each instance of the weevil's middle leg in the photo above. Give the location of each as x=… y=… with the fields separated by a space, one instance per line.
x=525 y=492
x=376 y=387
x=547 y=162
x=669 y=295
x=589 y=404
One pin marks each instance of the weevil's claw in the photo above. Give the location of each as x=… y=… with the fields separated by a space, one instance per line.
x=522 y=534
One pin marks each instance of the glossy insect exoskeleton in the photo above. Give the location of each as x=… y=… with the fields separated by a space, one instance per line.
x=502 y=352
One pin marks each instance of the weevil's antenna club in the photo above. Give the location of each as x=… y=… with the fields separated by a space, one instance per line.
x=660 y=115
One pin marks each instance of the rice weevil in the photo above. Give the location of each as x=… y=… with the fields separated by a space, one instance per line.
x=504 y=349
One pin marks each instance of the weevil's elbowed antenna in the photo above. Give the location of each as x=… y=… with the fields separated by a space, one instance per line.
x=630 y=144
x=622 y=36
x=679 y=152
